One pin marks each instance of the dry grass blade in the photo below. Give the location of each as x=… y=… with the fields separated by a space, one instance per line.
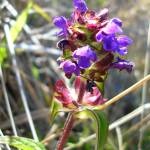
x=125 y=92
x=12 y=122
x=119 y=137
x=19 y=81
x=144 y=90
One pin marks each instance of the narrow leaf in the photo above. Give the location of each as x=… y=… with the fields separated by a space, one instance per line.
x=55 y=107
x=21 y=143
x=100 y=86
x=101 y=127
x=21 y=21
x=35 y=72
x=40 y=11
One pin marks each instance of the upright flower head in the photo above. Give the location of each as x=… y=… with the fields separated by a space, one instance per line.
x=88 y=38
x=92 y=44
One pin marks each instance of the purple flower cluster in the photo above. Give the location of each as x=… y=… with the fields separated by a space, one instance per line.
x=111 y=42
x=89 y=38
x=92 y=44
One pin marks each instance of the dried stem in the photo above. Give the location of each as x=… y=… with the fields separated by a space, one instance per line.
x=125 y=92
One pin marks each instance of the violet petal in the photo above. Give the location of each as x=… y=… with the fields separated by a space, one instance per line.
x=84 y=62
x=60 y=22
x=68 y=66
x=80 y=5
x=122 y=51
x=122 y=64
x=110 y=43
x=117 y=21
x=124 y=41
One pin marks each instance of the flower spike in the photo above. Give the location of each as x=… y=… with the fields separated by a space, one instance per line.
x=92 y=44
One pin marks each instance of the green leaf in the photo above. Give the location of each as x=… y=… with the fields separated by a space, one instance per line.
x=14 y=31
x=40 y=11
x=35 y=72
x=100 y=86
x=101 y=127
x=21 y=21
x=55 y=107
x=67 y=53
x=21 y=143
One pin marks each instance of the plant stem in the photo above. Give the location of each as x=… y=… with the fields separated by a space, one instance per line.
x=70 y=120
x=81 y=92
x=67 y=128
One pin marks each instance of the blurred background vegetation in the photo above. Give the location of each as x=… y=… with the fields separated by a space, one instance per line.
x=36 y=54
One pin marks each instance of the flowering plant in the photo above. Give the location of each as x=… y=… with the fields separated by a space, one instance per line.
x=92 y=44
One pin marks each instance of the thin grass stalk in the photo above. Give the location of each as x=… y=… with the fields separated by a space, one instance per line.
x=125 y=92
x=144 y=89
x=19 y=80
x=142 y=124
x=8 y=107
x=119 y=137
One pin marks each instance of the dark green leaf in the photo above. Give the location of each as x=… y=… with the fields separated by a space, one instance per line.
x=21 y=143
x=101 y=127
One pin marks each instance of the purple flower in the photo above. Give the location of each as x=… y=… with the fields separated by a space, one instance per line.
x=117 y=44
x=61 y=22
x=80 y=5
x=84 y=55
x=122 y=51
x=124 y=41
x=69 y=67
x=122 y=64
x=113 y=27
x=113 y=43
x=110 y=43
